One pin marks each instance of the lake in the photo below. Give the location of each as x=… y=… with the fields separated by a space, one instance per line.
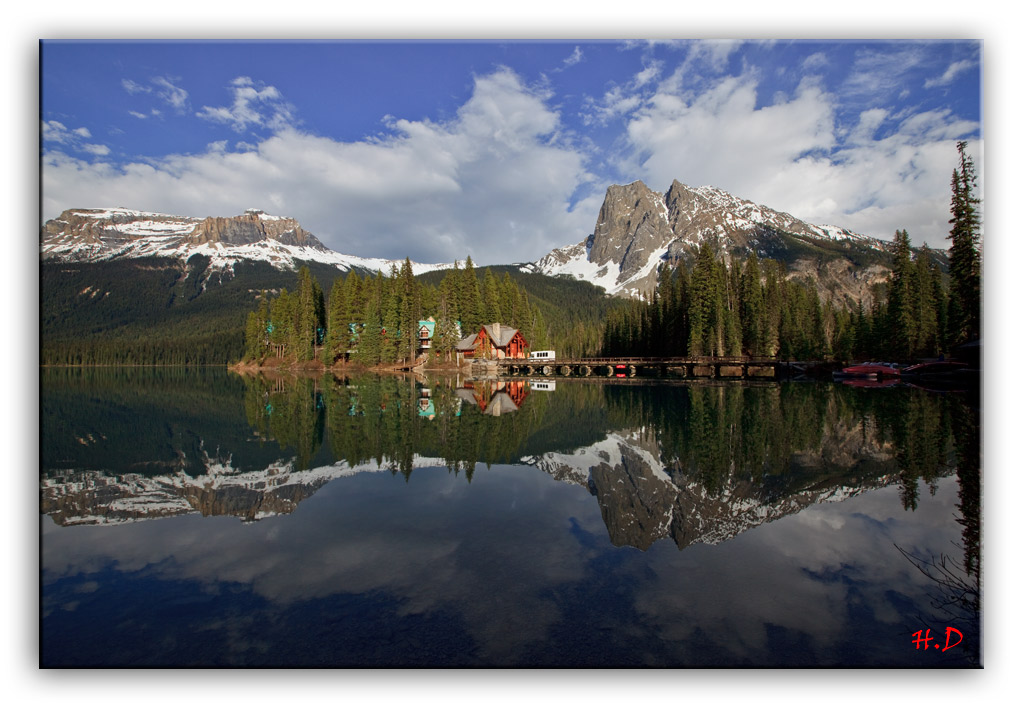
x=199 y=518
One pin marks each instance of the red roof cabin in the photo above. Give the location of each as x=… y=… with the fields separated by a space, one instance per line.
x=495 y=341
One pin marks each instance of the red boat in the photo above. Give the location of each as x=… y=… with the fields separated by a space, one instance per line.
x=870 y=383
x=868 y=370
x=936 y=370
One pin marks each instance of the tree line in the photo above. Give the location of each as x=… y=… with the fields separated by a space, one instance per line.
x=375 y=319
x=720 y=308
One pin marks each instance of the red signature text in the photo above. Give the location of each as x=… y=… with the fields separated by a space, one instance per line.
x=923 y=639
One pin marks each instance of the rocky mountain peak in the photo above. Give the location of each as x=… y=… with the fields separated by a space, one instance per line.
x=631 y=224
x=638 y=230
x=252 y=227
x=90 y=235
x=119 y=226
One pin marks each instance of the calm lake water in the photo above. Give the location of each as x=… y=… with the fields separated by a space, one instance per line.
x=201 y=518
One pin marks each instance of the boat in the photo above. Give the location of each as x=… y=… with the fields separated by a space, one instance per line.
x=870 y=382
x=868 y=370
x=938 y=371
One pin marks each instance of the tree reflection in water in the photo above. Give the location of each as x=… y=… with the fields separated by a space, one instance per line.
x=666 y=463
x=686 y=461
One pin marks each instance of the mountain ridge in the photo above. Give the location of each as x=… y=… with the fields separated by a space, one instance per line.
x=638 y=230
x=103 y=234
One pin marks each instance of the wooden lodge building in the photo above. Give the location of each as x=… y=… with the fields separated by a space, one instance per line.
x=494 y=341
x=494 y=397
x=426 y=333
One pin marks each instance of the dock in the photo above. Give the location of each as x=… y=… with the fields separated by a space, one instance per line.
x=685 y=367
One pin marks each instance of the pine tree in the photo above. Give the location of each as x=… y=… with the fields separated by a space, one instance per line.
x=470 y=302
x=282 y=312
x=901 y=311
x=926 y=301
x=303 y=336
x=492 y=298
x=964 y=316
x=702 y=306
x=541 y=339
x=337 y=340
x=752 y=309
x=774 y=280
x=257 y=338
x=370 y=345
x=511 y=298
x=409 y=300
x=390 y=317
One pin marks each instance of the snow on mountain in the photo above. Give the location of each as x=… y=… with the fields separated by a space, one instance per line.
x=76 y=497
x=117 y=233
x=640 y=497
x=642 y=502
x=638 y=230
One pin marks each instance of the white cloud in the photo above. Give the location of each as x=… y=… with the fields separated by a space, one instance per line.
x=55 y=131
x=496 y=182
x=73 y=139
x=254 y=105
x=649 y=74
x=575 y=58
x=134 y=88
x=813 y=62
x=878 y=72
x=952 y=71
x=888 y=172
x=714 y=53
x=174 y=96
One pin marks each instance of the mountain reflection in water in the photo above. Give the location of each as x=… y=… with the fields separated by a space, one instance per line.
x=694 y=464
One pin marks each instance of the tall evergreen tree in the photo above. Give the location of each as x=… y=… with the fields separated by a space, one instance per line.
x=338 y=334
x=470 y=303
x=303 y=336
x=702 y=306
x=964 y=316
x=901 y=311
x=752 y=309
x=409 y=305
x=926 y=302
x=492 y=298
x=369 y=349
x=512 y=301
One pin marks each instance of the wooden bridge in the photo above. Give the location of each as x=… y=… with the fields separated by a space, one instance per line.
x=688 y=367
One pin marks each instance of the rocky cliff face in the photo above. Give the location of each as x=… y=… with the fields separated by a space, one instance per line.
x=644 y=498
x=111 y=232
x=638 y=230
x=252 y=227
x=107 y=234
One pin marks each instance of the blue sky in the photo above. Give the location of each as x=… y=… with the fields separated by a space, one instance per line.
x=503 y=149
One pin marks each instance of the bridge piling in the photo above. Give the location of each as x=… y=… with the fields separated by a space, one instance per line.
x=686 y=368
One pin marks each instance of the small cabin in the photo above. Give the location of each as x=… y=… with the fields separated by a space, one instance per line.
x=426 y=332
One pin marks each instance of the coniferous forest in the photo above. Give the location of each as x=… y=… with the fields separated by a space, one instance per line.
x=710 y=305
x=720 y=308
x=375 y=319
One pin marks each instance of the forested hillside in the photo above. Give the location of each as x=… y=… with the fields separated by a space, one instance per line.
x=752 y=309
x=574 y=311
x=719 y=308
x=159 y=311
x=376 y=319
x=150 y=310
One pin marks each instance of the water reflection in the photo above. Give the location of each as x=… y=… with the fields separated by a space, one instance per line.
x=690 y=463
x=503 y=563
